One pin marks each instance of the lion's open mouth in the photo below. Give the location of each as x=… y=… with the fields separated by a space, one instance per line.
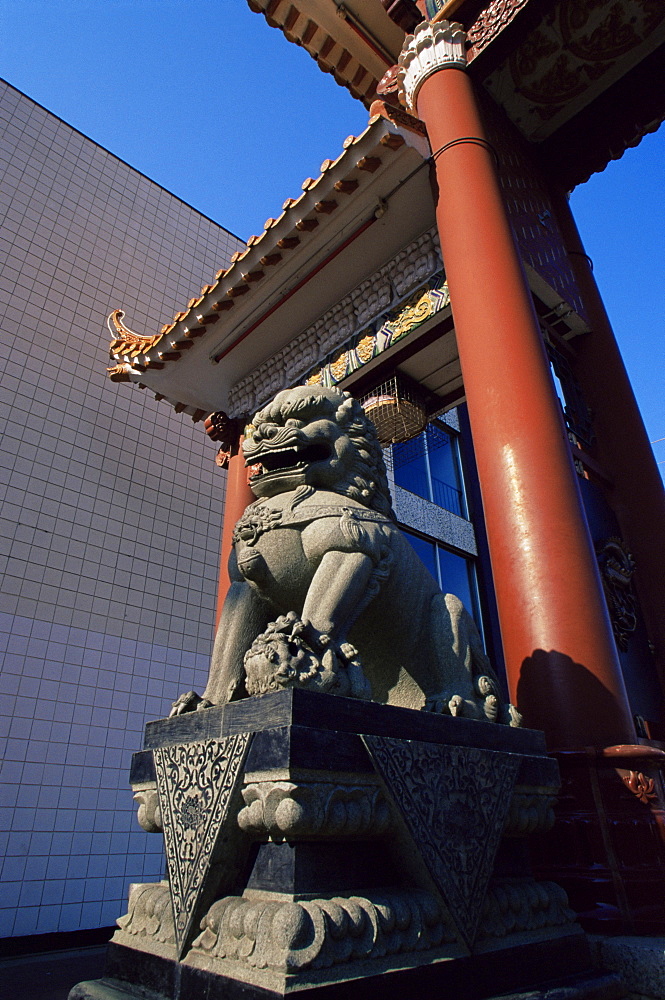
x=287 y=460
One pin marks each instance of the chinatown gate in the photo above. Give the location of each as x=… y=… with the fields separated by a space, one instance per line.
x=439 y=247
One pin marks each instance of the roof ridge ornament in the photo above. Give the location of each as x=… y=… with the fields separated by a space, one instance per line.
x=125 y=341
x=430 y=48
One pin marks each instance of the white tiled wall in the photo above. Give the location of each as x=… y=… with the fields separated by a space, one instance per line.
x=111 y=510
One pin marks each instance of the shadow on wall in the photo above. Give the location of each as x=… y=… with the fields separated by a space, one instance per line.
x=566 y=701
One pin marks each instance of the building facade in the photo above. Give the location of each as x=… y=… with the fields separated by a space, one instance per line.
x=439 y=246
x=94 y=533
x=398 y=267
x=96 y=536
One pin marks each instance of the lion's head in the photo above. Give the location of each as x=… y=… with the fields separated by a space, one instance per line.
x=316 y=437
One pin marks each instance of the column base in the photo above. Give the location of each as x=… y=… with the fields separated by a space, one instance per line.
x=607 y=848
x=530 y=971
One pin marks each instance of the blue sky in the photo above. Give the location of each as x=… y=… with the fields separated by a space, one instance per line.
x=206 y=99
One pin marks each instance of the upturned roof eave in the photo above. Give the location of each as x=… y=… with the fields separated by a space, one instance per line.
x=179 y=363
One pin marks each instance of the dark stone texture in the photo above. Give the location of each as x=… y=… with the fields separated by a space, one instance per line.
x=298 y=706
x=327 y=749
x=142 y=767
x=512 y=858
x=204 y=725
x=550 y=970
x=299 y=732
x=110 y=989
x=315 y=749
x=324 y=749
x=144 y=970
x=321 y=868
x=595 y=986
x=300 y=728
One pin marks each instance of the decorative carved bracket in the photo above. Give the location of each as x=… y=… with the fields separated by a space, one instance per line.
x=227 y=430
x=616 y=571
x=431 y=47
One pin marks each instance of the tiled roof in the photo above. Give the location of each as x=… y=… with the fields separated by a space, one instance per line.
x=340 y=43
x=134 y=354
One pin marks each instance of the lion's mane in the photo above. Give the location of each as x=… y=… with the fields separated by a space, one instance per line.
x=365 y=479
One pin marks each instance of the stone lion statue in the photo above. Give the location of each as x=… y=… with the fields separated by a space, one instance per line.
x=326 y=592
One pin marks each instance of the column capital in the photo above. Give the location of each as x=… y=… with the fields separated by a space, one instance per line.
x=430 y=48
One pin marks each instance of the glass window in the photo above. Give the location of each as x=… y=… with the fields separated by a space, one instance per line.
x=411 y=466
x=456 y=577
x=427 y=552
x=454 y=573
x=429 y=466
x=444 y=469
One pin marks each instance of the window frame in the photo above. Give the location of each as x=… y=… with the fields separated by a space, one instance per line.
x=471 y=561
x=460 y=489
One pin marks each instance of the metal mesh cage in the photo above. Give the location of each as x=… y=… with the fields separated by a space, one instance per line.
x=397 y=410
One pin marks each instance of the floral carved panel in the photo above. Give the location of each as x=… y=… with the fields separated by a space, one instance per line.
x=573 y=54
x=197 y=783
x=454 y=803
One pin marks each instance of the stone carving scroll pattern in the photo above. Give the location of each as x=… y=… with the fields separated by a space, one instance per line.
x=491 y=20
x=284 y=809
x=149 y=814
x=454 y=802
x=317 y=933
x=149 y=915
x=515 y=905
x=196 y=782
x=568 y=57
x=288 y=936
x=616 y=572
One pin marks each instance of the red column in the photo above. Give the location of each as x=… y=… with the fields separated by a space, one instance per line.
x=621 y=443
x=560 y=654
x=238 y=497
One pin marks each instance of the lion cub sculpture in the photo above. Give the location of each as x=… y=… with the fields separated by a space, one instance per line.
x=326 y=593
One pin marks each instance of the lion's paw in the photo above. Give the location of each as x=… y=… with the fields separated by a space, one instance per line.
x=510 y=716
x=189 y=702
x=452 y=704
x=484 y=702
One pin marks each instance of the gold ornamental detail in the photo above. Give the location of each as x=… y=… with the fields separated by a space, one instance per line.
x=125 y=342
x=419 y=308
x=430 y=299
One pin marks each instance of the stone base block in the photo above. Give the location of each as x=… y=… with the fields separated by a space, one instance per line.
x=640 y=961
x=327 y=848
x=530 y=972
x=598 y=986
x=107 y=989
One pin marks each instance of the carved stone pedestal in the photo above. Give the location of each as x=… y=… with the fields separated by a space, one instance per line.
x=341 y=849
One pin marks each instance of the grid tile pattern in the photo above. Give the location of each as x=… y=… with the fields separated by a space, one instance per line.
x=111 y=504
